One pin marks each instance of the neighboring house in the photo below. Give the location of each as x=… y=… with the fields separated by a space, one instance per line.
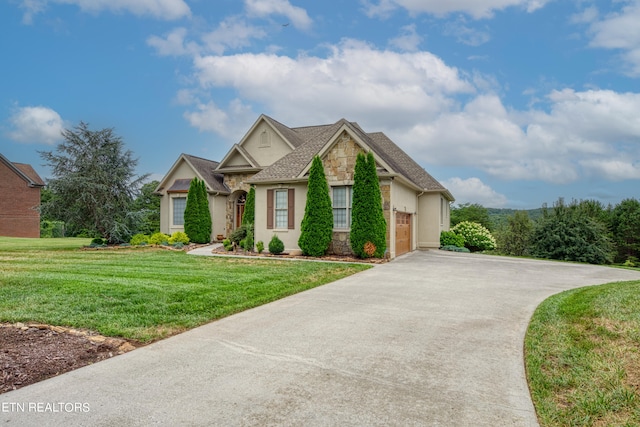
x=276 y=160
x=19 y=199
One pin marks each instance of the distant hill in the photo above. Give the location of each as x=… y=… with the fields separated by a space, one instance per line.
x=500 y=216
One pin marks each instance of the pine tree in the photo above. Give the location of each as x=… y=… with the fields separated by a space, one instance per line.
x=192 y=212
x=368 y=226
x=205 y=214
x=317 y=225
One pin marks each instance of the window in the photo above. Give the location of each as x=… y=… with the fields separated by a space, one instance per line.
x=179 y=204
x=341 y=207
x=282 y=216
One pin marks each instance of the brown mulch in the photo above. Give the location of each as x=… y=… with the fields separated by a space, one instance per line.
x=30 y=353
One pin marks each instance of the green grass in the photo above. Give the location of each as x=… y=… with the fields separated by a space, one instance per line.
x=582 y=353
x=141 y=294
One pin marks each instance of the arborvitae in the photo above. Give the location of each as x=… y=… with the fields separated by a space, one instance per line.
x=248 y=217
x=205 y=214
x=192 y=211
x=368 y=226
x=317 y=225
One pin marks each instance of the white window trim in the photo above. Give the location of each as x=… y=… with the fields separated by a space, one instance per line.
x=277 y=226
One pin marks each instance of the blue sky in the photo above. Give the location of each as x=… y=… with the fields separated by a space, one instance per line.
x=509 y=103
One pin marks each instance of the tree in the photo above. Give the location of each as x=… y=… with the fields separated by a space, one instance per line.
x=368 y=226
x=204 y=214
x=148 y=205
x=192 y=212
x=570 y=233
x=249 y=215
x=317 y=225
x=471 y=213
x=625 y=226
x=516 y=235
x=93 y=184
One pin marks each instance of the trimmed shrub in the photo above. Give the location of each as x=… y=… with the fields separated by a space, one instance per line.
x=455 y=249
x=139 y=239
x=248 y=241
x=275 y=245
x=239 y=234
x=158 y=239
x=179 y=237
x=476 y=237
x=248 y=217
x=260 y=246
x=450 y=238
x=98 y=241
x=191 y=211
x=227 y=244
x=316 y=230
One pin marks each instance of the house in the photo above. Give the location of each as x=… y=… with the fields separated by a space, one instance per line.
x=19 y=199
x=276 y=159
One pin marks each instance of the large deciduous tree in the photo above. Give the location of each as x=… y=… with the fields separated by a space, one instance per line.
x=625 y=226
x=93 y=184
x=317 y=225
x=368 y=227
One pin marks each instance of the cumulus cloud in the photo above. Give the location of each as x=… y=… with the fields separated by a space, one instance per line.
x=161 y=9
x=620 y=31
x=473 y=190
x=477 y=9
x=408 y=40
x=38 y=125
x=364 y=81
x=232 y=33
x=228 y=123
x=297 y=16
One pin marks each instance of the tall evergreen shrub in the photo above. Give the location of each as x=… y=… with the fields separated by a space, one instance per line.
x=317 y=225
x=191 y=211
x=205 y=214
x=249 y=215
x=367 y=217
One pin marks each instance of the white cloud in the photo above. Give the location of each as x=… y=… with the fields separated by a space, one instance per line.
x=232 y=33
x=173 y=44
x=161 y=9
x=621 y=31
x=296 y=15
x=229 y=123
x=38 y=125
x=362 y=80
x=408 y=40
x=478 y=9
x=465 y=34
x=473 y=190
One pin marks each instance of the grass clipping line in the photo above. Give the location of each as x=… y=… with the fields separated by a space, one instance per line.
x=582 y=354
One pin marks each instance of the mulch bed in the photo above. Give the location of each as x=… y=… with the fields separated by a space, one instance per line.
x=30 y=353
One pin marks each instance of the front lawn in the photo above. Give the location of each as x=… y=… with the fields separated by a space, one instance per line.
x=142 y=294
x=582 y=354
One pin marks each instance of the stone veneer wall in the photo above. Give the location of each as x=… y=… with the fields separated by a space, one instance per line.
x=235 y=182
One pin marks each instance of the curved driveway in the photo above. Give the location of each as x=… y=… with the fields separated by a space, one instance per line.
x=433 y=338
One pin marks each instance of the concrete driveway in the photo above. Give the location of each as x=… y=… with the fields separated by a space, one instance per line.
x=433 y=338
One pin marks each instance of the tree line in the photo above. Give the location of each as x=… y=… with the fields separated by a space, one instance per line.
x=582 y=231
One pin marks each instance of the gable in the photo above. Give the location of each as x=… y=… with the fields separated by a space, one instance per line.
x=340 y=159
x=188 y=167
x=265 y=144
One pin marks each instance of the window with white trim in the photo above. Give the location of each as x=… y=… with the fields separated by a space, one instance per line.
x=341 y=207
x=281 y=208
x=179 y=205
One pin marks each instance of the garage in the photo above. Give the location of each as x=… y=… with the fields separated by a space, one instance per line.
x=403 y=233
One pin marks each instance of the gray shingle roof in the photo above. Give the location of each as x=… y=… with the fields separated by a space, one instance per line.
x=315 y=138
x=205 y=167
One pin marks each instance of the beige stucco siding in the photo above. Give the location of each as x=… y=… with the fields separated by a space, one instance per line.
x=265 y=154
x=288 y=237
x=433 y=218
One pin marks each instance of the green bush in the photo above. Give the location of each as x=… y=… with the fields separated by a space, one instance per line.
x=476 y=237
x=98 y=241
x=51 y=229
x=179 y=237
x=227 y=244
x=178 y=245
x=158 y=239
x=139 y=239
x=239 y=234
x=453 y=248
x=275 y=245
x=316 y=230
x=248 y=241
x=260 y=246
x=450 y=238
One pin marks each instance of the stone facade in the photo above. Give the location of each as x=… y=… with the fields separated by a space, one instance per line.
x=235 y=182
x=340 y=162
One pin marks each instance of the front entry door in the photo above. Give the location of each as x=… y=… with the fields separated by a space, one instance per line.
x=240 y=209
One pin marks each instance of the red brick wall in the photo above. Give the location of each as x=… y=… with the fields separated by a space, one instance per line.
x=19 y=203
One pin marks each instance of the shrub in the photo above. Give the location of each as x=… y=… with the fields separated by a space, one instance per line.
x=316 y=230
x=476 y=237
x=248 y=241
x=248 y=217
x=158 y=239
x=178 y=245
x=260 y=246
x=239 y=234
x=275 y=245
x=243 y=244
x=227 y=244
x=450 y=238
x=139 y=239
x=453 y=248
x=98 y=241
x=51 y=228
x=179 y=237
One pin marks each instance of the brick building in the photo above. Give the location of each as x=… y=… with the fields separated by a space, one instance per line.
x=19 y=199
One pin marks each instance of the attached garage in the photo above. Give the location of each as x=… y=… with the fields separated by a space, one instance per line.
x=403 y=233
